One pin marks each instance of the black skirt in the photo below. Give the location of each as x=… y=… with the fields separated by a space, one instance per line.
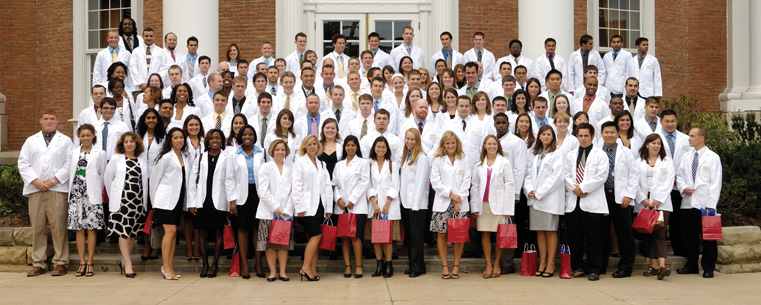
x=171 y=217
x=246 y=219
x=209 y=218
x=312 y=224
x=361 y=220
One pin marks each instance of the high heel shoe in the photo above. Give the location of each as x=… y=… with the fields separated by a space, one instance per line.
x=204 y=271
x=348 y=275
x=121 y=268
x=213 y=272
x=379 y=268
x=389 y=272
x=81 y=271
x=304 y=273
x=90 y=271
x=357 y=274
x=171 y=278
x=455 y=276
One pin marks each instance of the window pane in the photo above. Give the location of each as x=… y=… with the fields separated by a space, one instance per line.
x=103 y=39
x=351 y=30
x=604 y=38
x=625 y=39
x=329 y=28
x=386 y=46
x=399 y=29
x=623 y=20
x=633 y=35
x=103 y=4
x=126 y=3
x=603 y=3
x=92 y=20
x=115 y=4
x=383 y=28
x=126 y=13
x=603 y=18
x=634 y=5
x=634 y=20
x=103 y=22
x=613 y=4
x=92 y=5
x=327 y=47
x=116 y=16
x=352 y=48
x=93 y=40
x=396 y=44
x=624 y=4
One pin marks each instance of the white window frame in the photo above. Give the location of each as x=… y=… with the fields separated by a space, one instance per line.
x=373 y=18
x=339 y=18
x=646 y=22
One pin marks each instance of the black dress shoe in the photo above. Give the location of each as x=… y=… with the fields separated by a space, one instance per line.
x=414 y=274
x=687 y=271
x=408 y=271
x=593 y=277
x=621 y=274
x=708 y=274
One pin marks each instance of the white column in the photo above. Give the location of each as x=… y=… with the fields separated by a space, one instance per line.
x=743 y=92
x=199 y=18
x=754 y=89
x=541 y=19
x=446 y=17
x=287 y=28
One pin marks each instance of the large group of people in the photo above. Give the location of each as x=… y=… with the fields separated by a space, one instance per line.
x=568 y=151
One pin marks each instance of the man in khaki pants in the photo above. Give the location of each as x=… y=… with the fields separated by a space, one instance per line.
x=44 y=167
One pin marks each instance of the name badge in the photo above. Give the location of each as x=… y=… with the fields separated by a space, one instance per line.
x=506 y=154
x=413 y=169
x=461 y=172
x=707 y=168
x=623 y=161
x=357 y=175
x=432 y=136
x=394 y=146
x=546 y=165
x=473 y=132
x=663 y=170
x=501 y=175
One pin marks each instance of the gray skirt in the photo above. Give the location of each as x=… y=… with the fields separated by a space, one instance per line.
x=542 y=221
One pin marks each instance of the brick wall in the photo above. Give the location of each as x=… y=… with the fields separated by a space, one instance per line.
x=580 y=22
x=247 y=24
x=498 y=19
x=36 y=69
x=153 y=16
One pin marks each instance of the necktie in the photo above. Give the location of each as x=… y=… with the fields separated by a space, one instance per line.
x=615 y=54
x=580 y=168
x=585 y=58
x=273 y=91
x=611 y=169
x=105 y=135
x=314 y=127
x=338 y=115
x=463 y=125
x=340 y=66
x=694 y=166
x=129 y=42
x=640 y=59
x=148 y=57
x=376 y=105
x=204 y=82
x=114 y=56
x=48 y=137
x=364 y=129
x=301 y=59
x=237 y=106
x=191 y=63
x=587 y=103
x=409 y=51
x=219 y=122
x=420 y=127
x=288 y=102
x=173 y=59
x=670 y=139
x=551 y=58
x=264 y=130
x=354 y=101
x=653 y=124
x=448 y=57
x=479 y=55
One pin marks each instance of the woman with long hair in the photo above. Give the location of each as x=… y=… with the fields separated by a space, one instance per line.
x=534 y=88
x=578 y=119
x=150 y=129
x=625 y=123
x=284 y=131
x=562 y=104
x=182 y=97
x=435 y=98
x=425 y=77
x=233 y=54
x=331 y=144
x=481 y=109
x=459 y=72
x=449 y=108
x=405 y=65
x=193 y=129
x=518 y=104
x=232 y=145
x=448 y=79
x=384 y=197
x=414 y=190
x=566 y=142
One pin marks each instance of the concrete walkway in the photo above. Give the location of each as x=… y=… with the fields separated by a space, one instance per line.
x=149 y=288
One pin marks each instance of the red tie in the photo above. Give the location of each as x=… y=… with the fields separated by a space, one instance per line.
x=587 y=102
x=173 y=56
x=420 y=127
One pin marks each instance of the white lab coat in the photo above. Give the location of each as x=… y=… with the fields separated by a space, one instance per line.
x=576 y=68
x=431 y=134
x=151 y=152
x=501 y=187
x=396 y=145
x=616 y=71
x=166 y=181
x=639 y=109
x=113 y=180
x=96 y=167
x=297 y=105
x=535 y=127
x=570 y=143
x=382 y=59
x=598 y=110
x=472 y=138
x=649 y=75
x=104 y=60
x=140 y=42
x=681 y=147
x=417 y=55
x=514 y=150
x=355 y=126
x=44 y=162
x=115 y=130
x=334 y=56
x=292 y=63
x=196 y=83
x=223 y=187
x=186 y=111
x=204 y=104
x=601 y=92
x=241 y=173
x=311 y=187
x=542 y=66
x=274 y=190
x=447 y=177
x=384 y=184
x=482 y=87
x=249 y=109
x=595 y=174
x=346 y=116
x=256 y=122
x=521 y=61
x=642 y=129
x=487 y=61
x=547 y=184
x=196 y=69
x=294 y=142
x=414 y=181
x=139 y=70
x=707 y=182
x=179 y=59
x=351 y=182
x=301 y=126
x=660 y=187
x=625 y=174
x=457 y=59
x=88 y=116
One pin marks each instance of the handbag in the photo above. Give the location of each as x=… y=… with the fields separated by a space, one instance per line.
x=711 y=227
x=235 y=263
x=507 y=234
x=229 y=239
x=645 y=221
x=328 y=240
x=347 y=225
x=565 y=262
x=660 y=223
x=280 y=232
x=457 y=230
x=157 y=234
x=528 y=261
x=148 y=220
x=382 y=230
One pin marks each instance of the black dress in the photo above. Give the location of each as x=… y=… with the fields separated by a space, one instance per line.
x=208 y=217
x=171 y=217
x=130 y=218
x=330 y=161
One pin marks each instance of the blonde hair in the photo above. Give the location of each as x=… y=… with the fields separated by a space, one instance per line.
x=275 y=144
x=417 y=150
x=483 y=147
x=308 y=140
x=441 y=151
x=562 y=116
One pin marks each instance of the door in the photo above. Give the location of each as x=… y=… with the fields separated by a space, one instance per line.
x=350 y=25
x=389 y=27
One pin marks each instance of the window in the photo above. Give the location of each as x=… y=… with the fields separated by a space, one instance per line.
x=102 y=16
x=349 y=28
x=390 y=33
x=622 y=17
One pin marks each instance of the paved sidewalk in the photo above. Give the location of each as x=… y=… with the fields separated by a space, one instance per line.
x=149 y=288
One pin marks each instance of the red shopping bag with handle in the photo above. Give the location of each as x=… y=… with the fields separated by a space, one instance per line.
x=148 y=220
x=328 y=240
x=347 y=225
x=229 y=239
x=507 y=235
x=457 y=230
x=711 y=227
x=645 y=221
x=280 y=232
x=235 y=263
x=528 y=261
x=565 y=262
x=383 y=231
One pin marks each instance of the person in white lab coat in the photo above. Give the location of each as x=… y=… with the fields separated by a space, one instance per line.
x=108 y=127
x=450 y=179
x=275 y=194
x=169 y=191
x=91 y=115
x=539 y=116
x=634 y=102
x=44 y=167
x=146 y=59
x=173 y=57
x=218 y=118
x=192 y=58
x=233 y=55
x=408 y=49
x=414 y=194
x=601 y=92
x=381 y=121
x=656 y=177
x=566 y=142
x=548 y=61
x=384 y=198
x=650 y=123
x=108 y=56
x=126 y=184
x=363 y=121
x=646 y=69
x=284 y=131
x=128 y=37
x=492 y=196
x=212 y=191
x=447 y=53
x=351 y=181
x=85 y=196
x=626 y=135
x=480 y=54
x=616 y=66
x=468 y=128
x=293 y=61
x=699 y=180
x=582 y=58
x=150 y=129
x=515 y=59
x=312 y=200
x=482 y=110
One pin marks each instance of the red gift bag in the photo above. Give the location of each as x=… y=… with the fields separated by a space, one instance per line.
x=148 y=220
x=507 y=235
x=382 y=231
x=328 y=240
x=528 y=261
x=229 y=239
x=711 y=227
x=347 y=225
x=235 y=263
x=645 y=221
x=565 y=262
x=457 y=230
x=280 y=232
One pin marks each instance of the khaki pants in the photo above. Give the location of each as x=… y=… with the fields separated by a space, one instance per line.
x=52 y=207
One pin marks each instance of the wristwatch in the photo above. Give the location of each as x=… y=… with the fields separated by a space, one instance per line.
x=53 y=181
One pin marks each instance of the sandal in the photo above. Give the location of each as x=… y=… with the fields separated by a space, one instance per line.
x=496 y=272
x=488 y=273
x=539 y=273
x=445 y=276
x=90 y=272
x=651 y=271
x=81 y=270
x=455 y=275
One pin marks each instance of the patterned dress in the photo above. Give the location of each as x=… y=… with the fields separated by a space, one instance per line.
x=82 y=214
x=129 y=220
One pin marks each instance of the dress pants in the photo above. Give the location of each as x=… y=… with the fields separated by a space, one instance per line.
x=49 y=207
x=525 y=235
x=675 y=231
x=622 y=223
x=429 y=237
x=692 y=228
x=414 y=223
x=585 y=226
